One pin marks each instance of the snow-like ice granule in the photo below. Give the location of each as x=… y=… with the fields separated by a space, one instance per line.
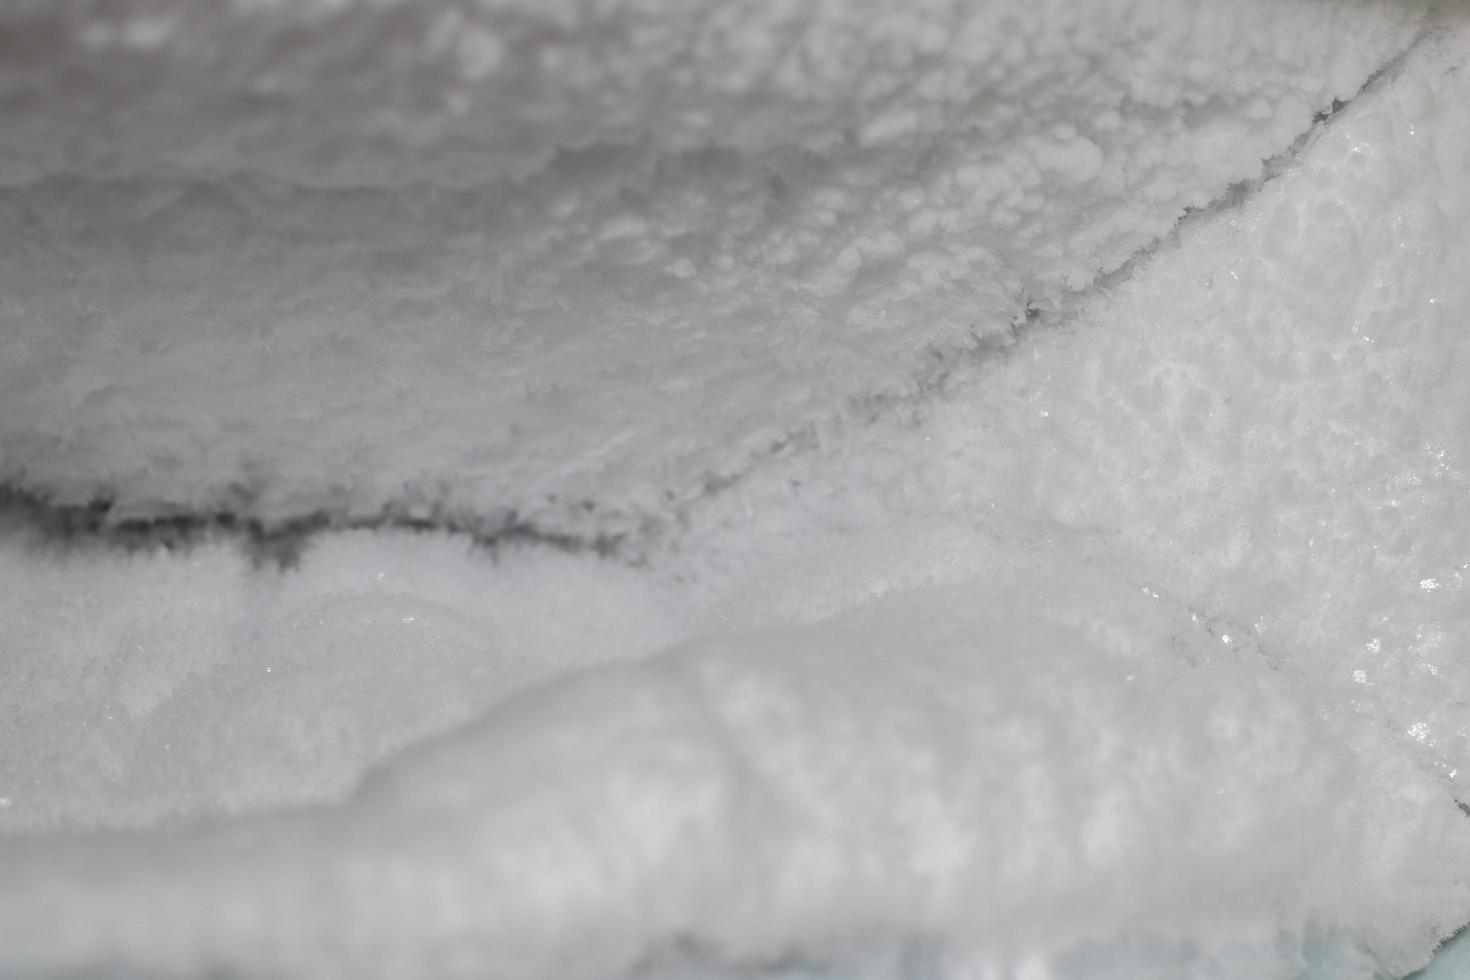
x=627 y=258
x=301 y=679
x=1006 y=766
x=1136 y=648
x=1269 y=423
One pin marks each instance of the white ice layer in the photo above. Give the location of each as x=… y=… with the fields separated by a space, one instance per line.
x=627 y=255
x=1033 y=757
x=1143 y=631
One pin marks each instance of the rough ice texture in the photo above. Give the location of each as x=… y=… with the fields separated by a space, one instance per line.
x=1270 y=421
x=137 y=691
x=1032 y=758
x=571 y=264
x=1140 y=641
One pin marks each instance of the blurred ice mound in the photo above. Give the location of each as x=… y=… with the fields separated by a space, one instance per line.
x=555 y=489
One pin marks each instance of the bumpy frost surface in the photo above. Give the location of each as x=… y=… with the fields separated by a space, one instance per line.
x=570 y=264
x=1136 y=648
x=1034 y=757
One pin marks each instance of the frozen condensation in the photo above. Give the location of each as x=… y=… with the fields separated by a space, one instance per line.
x=990 y=761
x=1104 y=652
x=639 y=250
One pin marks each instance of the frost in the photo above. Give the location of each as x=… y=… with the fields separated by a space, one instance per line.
x=913 y=676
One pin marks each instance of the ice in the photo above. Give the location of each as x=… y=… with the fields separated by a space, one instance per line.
x=1453 y=960
x=151 y=689
x=1125 y=641
x=987 y=763
x=654 y=243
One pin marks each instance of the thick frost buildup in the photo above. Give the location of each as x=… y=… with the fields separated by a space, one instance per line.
x=628 y=247
x=1270 y=422
x=1292 y=448
x=983 y=767
x=1132 y=646
x=139 y=690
